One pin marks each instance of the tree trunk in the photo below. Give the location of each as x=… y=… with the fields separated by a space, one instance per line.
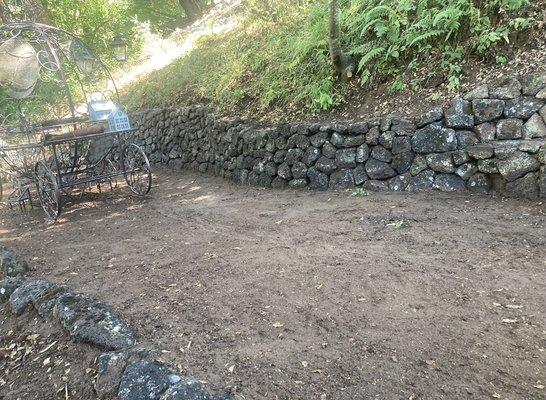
x=192 y=8
x=343 y=63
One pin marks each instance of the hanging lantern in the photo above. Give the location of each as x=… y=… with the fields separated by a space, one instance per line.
x=83 y=57
x=19 y=68
x=120 y=48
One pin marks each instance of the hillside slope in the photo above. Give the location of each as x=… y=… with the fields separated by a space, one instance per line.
x=411 y=55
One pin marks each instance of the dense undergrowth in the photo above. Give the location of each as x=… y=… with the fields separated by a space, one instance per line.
x=278 y=57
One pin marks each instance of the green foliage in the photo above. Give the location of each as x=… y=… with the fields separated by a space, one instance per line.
x=387 y=34
x=279 y=56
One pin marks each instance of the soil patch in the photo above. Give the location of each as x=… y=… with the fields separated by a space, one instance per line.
x=292 y=295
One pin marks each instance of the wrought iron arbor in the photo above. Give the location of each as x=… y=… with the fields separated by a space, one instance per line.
x=62 y=126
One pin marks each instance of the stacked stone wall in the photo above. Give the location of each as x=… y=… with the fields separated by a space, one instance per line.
x=491 y=139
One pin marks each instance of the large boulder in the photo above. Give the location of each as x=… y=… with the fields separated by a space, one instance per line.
x=434 y=139
x=517 y=165
x=11 y=264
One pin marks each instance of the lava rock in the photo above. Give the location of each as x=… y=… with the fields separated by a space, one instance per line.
x=299 y=170
x=480 y=92
x=533 y=83
x=526 y=187
x=440 y=162
x=434 y=139
x=376 y=186
x=326 y=165
x=488 y=166
x=360 y=175
x=379 y=170
x=91 y=321
x=8 y=286
x=421 y=182
x=312 y=154
x=508 y=88
x=386 y=139
x=354 y=141
x=329 y=150
x=337 y=140
x=509 y=129
x=418 y=165
x=112 y=365
x=293 y=155
x=465 y=171
x=523 y=107
x=466 y=139
x=318 y=180
x=381 y=154
x=460 y=157
x=403 y=161
x=372 y=137
x=399 y=183
x=362 y=154
x=346 y=158
x=11 y=264
x=459 y=116
x=534 y=127
x=359 y=128
x=298 y=183
x=319 y=139
x=144 y=380
x=517 y=165
x=486 y=132
x=448 y=183
x=401 y=144
x=187 y=389
x=26 y=294
x=481 y=151
x=403 y=126
x=284 y=171
x=343 y=179
x=429 y=117
x=279 y=183
x=486 y=110
x=479 y=183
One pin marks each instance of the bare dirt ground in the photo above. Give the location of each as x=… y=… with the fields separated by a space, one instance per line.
x=296 y=295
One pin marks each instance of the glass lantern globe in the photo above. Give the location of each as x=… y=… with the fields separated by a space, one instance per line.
x=120 y=48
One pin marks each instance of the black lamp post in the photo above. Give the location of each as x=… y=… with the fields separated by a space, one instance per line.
x=120 y=48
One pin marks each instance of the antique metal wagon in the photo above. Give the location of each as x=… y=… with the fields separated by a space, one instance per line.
x=63 y=127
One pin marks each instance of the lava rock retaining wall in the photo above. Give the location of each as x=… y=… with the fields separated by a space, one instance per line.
x=493 y=138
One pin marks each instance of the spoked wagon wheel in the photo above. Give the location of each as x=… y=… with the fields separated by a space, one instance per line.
x=48 y=190
x=137 y=170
